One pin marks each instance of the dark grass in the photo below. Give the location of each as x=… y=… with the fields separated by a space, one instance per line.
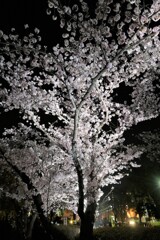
x=70 y=232
x=8 y=233
x=127 y=233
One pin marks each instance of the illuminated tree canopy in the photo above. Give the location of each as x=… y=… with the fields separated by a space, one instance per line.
x=68 y=94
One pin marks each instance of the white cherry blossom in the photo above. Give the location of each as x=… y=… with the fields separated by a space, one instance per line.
x=69 y=94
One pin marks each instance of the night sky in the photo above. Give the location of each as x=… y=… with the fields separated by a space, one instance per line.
x=17 y=13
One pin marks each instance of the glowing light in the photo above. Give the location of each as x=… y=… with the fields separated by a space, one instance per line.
x=29 y=214
x=71 y=221
x=132 y=222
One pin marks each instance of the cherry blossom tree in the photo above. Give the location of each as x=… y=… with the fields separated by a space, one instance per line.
x=69 y=93
x=42 y=166
x=39 y=180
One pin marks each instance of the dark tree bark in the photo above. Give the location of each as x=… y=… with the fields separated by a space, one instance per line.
x=87 y=217
x=30 y=226
x=155 y=196
x=87 y=222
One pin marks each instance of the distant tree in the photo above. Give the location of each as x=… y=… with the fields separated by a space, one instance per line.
x=116 y=201
x=70 y=93
x=150 y=141
x=134 y=192
x=139 y=190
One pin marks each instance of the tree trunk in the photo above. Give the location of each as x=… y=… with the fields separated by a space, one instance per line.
x=45 y=222
x=155 y=197
x=87 y=223
x=30 y=227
